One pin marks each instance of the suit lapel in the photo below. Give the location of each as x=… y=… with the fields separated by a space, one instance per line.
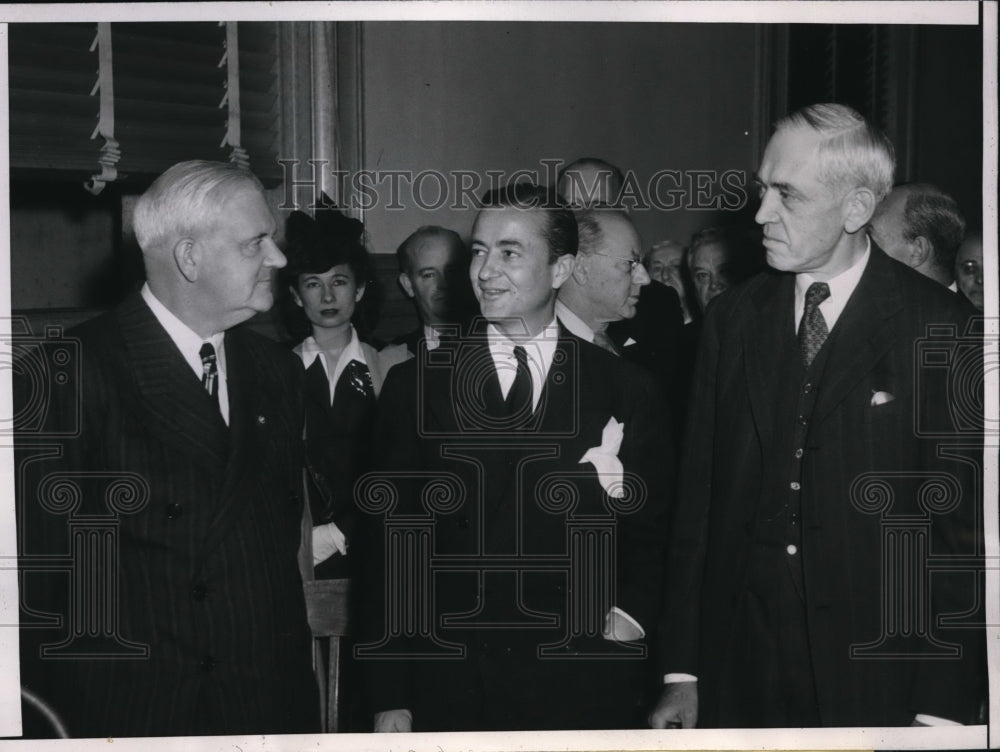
x=179 y=410
x=862 y=335
x=766 y=334
x=248 y=408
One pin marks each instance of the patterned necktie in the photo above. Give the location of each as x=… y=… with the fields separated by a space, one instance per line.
x=209 y=371
x=812 y=329
x=601 y=339
x=519 y=397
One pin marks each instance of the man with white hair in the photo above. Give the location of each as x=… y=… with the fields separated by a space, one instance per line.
x=823 y=470
x=194 y=425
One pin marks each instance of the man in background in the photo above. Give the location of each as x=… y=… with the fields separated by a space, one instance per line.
x=921 y=226
x=433 y=273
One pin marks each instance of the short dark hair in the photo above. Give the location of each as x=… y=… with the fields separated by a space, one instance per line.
x=560 y=224
x=931 y=213
x=418 y=236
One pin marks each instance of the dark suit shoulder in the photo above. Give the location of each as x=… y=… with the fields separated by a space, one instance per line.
x=925 y=295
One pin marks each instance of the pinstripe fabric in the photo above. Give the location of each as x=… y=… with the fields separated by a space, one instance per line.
x=734 y=441
x=207 y=575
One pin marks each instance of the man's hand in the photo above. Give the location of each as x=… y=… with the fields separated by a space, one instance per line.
x=393 y=721
x=677 y=705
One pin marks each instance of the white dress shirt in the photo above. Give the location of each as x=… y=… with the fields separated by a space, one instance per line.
x=573 y=323
x=190 y=344
x=540 y=349
x=308 y=350
x=841 y=288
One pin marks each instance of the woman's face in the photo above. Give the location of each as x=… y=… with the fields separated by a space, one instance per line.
x=328 y=299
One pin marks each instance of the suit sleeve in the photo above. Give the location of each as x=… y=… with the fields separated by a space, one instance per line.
x=643 y=534
x=954 y=688
x=678 y=638
x=397 y=449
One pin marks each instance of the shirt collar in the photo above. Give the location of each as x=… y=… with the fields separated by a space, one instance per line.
x=309 y=350
x=841 y=288
x=540 y=349
x=187 y=341
x=573 y=323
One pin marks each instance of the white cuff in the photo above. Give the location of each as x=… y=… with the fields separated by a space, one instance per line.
x=630 y=620
x=933 y=720
x=676 y=678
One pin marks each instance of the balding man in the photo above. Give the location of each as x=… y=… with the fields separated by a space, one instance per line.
x=606 y=278
x=189 y=446
x=921 y=226
x=589 y=181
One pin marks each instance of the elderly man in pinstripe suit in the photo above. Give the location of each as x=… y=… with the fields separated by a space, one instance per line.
x=205 y=420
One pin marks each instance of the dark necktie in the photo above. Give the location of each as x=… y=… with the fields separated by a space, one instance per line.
x=209 y=371
x=812 y=329
x=519 y=397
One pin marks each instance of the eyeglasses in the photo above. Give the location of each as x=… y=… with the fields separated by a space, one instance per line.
x=632 y=262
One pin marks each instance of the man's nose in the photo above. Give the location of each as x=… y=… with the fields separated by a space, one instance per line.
x=717 y=283
x=765 y=213
x=640 y=276
x=488 y=269
x=273 y=258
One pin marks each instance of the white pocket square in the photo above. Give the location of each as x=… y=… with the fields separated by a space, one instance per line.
x=881 y=398
x=628 y=342
x=605 y=460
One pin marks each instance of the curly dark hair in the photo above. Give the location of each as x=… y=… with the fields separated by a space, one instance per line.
x=314 y=245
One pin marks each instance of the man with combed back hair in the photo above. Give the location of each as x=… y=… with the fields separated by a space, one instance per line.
x=821 y=447
x=535 y=469
x=189 y=446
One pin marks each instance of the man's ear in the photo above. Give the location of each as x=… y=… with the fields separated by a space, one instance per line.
x=562 y=269
x=406 y=284
x=187 y=255
x=581 y=269
x=920 y=251
x=859 y=206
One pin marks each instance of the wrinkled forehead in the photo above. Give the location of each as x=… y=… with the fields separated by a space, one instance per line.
x=668 y=253
x=435 y=250
x=792 y=152
x=709 y=255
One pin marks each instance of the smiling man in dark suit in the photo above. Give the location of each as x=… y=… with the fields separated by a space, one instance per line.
x=825 y=470
x=538 y=581
x=203 y=422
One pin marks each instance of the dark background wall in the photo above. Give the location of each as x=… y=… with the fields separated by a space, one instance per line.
x=475 y=96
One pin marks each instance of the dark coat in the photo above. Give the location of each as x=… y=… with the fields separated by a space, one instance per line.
x=208 y=585
x=508 y=488
x=732 y=450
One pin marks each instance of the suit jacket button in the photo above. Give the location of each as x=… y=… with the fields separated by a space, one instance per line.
x=293 y=499
x=261 y=420
x=463 y=523
x=207 y=663
x=199 y=591
x=174 y=511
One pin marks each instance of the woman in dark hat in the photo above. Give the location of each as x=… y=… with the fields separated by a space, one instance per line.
x=330 y=299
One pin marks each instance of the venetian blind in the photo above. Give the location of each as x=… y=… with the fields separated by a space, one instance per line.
x=170 y=98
